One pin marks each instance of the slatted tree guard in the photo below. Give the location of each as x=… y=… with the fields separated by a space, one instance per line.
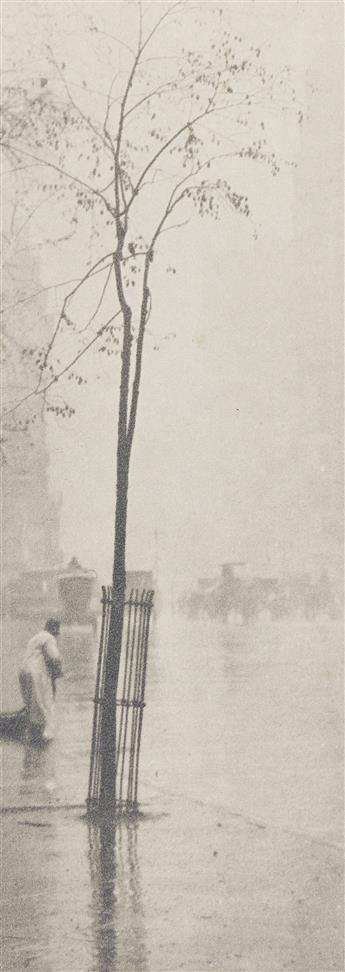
x=128 y=700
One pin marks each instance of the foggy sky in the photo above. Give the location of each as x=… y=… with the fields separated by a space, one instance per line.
x=237 y=448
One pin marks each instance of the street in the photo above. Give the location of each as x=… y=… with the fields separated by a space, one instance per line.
x=235 y=861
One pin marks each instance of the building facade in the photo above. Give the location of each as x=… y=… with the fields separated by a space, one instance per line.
x=30 y=514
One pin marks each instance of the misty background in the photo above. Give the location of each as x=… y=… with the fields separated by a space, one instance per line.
x=237 y=448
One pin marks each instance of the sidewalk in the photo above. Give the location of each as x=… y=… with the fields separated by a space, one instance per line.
x=191 y=886
x=236 y=863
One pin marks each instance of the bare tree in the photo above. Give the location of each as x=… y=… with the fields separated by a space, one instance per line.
x=121 y=168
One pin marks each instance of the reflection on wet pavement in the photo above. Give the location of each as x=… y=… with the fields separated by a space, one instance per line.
x=240 y=783
x=38 y=779
x=80 y=904
x=249 y=717
x=117 y=908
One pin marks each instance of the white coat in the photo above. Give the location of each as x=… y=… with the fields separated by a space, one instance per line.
x=42 y=657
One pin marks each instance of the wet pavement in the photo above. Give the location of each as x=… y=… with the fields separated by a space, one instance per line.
x=235 y=862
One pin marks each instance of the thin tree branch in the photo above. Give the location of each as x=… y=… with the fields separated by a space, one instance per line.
x=173 y=202
x=66 y=175
x=80 y=354
x=116 y=39
x=92 y=272
x=175 y=226
x=74 y=105
x=189 y=124
x=159 y=22
x=139 y=355
x=32 y=214
x=140 y=24
x=47 y=242
x=68 y=297
x=42 y=391
x=110 y=102
x=100 y=301
x=152 y=94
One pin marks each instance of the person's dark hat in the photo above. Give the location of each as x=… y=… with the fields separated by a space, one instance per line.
x=53 y=625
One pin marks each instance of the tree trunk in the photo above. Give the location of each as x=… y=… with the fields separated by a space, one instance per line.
x=108 y=776
x=108 y=761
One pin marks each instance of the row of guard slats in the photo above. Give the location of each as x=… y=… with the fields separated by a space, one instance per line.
x=130 y=698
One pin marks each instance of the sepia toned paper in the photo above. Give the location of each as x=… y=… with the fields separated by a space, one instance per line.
x=211 y=136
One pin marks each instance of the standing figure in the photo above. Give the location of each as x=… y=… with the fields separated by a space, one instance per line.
x=41 y=667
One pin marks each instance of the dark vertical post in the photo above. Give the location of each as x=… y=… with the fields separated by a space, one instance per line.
x=136 y=695
x=97 y=700
x=148 y=609
x=121 y=702
x=108 y=761
x=127 y=701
